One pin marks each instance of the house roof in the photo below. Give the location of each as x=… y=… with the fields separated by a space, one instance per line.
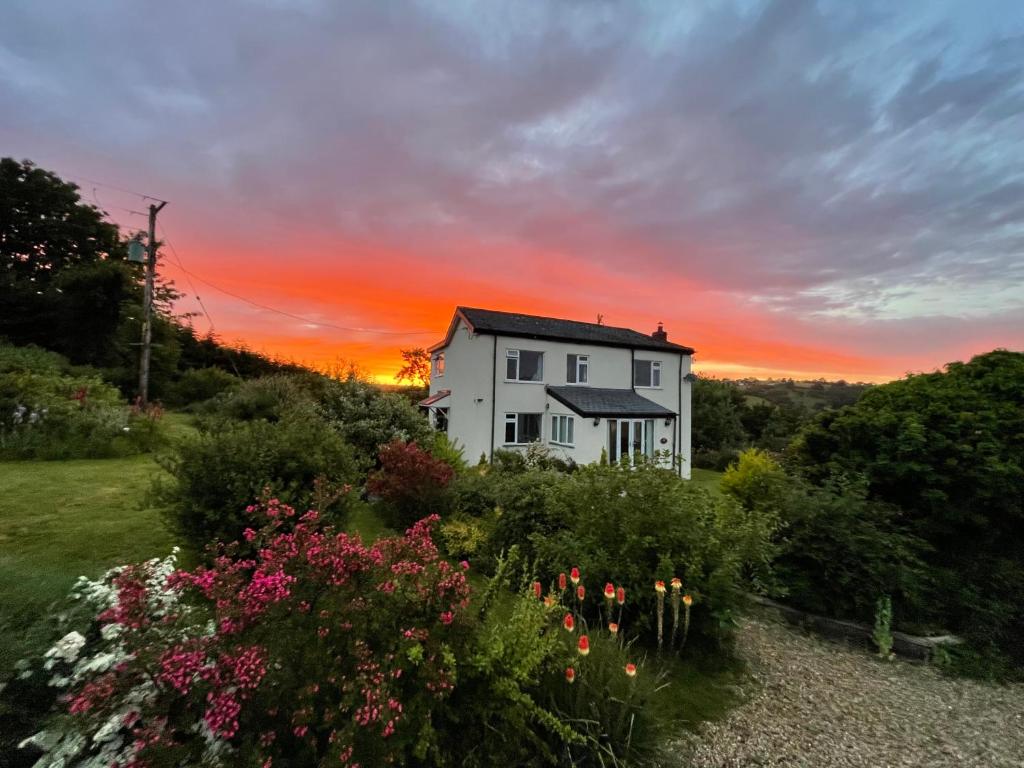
x=441 y=394
x=598 y=401
x=554 y=329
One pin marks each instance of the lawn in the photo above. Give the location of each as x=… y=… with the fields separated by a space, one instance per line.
x=60 y=520
x=706 y=478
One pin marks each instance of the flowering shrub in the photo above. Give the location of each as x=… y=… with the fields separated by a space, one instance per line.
x=409 y=482
x=319 y=648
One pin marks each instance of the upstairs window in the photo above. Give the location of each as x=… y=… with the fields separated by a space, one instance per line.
x=647 y=373
x=524 y=365
x=562 y=430
x=577 y=369
x=439 y=365
x=522 y=428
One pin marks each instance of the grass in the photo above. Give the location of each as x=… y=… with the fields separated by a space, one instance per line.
x=60 y=520
x=706 y=478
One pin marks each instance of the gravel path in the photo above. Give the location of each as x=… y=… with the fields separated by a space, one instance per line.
x=817 y=704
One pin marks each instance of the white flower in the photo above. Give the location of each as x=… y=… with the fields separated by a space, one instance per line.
x=67 y=648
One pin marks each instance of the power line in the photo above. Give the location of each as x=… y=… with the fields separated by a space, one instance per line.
x=282 y=312
x=114 y=186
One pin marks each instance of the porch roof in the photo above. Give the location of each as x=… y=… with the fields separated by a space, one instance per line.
x=599 y=401
x=435 y=398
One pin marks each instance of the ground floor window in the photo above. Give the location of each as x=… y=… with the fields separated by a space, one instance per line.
x=628 y=437
x=521 y=428
x=441 y=419
x=562 y=429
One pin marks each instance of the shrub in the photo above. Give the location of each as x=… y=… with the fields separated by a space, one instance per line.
x=323 y=650
x=200 y=384
x=633 y=526
x=946 y=448
x=45 y=414
x=409 y=482
x=837 y=550
x=218 y=472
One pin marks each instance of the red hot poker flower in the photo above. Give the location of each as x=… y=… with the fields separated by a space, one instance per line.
x=613 y=627
x=569 y=623
x=609 y=591
x=620 y=595
x=570 y=675
x=583 y=645
x=537 y=589
x=561 y=581
x=659 y=587
x=631 y=670
x=677 y=584
x=574 y=576
x=580 y=592
x=687 y=601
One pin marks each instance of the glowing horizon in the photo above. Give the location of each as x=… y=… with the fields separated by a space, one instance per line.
x=800 y=190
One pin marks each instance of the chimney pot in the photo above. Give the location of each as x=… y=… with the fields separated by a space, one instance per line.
x=660 y=334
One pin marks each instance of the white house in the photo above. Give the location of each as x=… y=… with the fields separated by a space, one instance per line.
x=503 y=380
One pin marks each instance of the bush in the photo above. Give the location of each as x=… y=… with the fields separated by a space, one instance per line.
x=633 y=526
x=200 y=384
x=838 y=550
x=47 y=413
x=223 y=469
x=946 y=448
x=409 y=483
x=326 y=651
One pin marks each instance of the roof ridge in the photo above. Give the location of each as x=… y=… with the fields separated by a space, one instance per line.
x=551 y=317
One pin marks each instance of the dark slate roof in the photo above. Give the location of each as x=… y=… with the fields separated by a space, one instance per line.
x=554 y=329
x=597 y=401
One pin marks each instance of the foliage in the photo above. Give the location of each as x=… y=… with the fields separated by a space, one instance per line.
x=948 y=449
x=837 y=549
x=415 y=367
x=200 y=384
x=633 y=526
x=882 y=633
x=324 y=650
x=50 y=410
x=218 y=472
x=410 y=482
x=447 y=450
x=717 y=416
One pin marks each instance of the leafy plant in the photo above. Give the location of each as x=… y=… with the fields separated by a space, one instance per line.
x=410 y=482
x=882 y=634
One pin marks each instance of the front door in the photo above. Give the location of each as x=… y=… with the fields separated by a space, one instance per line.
x=629 y=437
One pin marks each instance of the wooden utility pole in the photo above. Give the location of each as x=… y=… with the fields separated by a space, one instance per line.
x=147 y=307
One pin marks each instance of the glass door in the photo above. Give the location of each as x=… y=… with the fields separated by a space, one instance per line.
x=629 y=437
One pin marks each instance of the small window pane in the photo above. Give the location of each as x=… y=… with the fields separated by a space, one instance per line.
x=570 y=369
x=569 y=437
x=584 y=366
x=613 y=440
x=510 y=428
x=529 y=427
x=531 y=366
x=512 y=368
x=554 y=428
x=656 y=374
x=649 y=437
x=642 y=373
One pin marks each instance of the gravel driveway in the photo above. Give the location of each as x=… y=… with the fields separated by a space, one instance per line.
x=817 y=704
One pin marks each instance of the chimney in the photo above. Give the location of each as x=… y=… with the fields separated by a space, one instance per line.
x=660 y=335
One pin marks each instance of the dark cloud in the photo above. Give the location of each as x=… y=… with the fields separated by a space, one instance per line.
x=787 y=151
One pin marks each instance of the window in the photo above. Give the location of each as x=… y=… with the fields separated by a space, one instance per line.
x=522 y=428
x=629 y=439
x=647 y=373
x=439 y=365
x=562 y=430
x=524 y=365
x=441 y=419
x=577 y=369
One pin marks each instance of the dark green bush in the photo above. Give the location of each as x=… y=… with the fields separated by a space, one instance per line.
x=838 y=550
x=200 y=384
x=217 y=473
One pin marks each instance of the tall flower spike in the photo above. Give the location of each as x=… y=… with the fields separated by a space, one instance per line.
x=538 y=590
x=580 y=593
x=659 y=587
x=609 y=591
x=620 y=595
x=570 y=675
x=562 y=581
x=569 y=623
x=631 y=670
x=613 y=628
x=677 y=584
x=574 y=576
x=584 y=645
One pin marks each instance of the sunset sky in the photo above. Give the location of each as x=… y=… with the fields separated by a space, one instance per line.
x=795 y=188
